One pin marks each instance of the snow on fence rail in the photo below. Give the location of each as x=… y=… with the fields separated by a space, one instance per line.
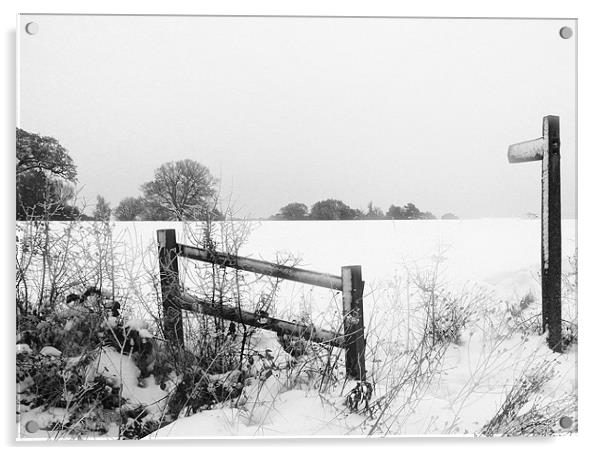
x=262 y=267
x=349 y=283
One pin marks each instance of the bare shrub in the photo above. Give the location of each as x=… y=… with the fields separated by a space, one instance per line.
x=525 y=412
x=446 y=312
x=524 y=314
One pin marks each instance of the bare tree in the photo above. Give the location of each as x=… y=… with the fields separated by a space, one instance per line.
x=184 y=188
x=102 y=212
x=130 y=209
x=42 y=153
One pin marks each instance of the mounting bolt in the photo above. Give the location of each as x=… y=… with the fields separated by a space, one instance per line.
x=32 y=28
x=566 y=32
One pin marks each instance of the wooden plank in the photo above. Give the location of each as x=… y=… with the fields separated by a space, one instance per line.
x=353 y=311
x=170 y=281
x=311 y=333
x=262 y=267
x=523 y=152
x=551 y=239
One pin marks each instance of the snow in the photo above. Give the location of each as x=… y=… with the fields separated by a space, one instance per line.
x=42 y=422
x=136 y=324
x=461 y=402
x=24 y=385
x=267 y=352
x=477 y=379
x=145 y=334
x=111 y=322
x=23 y=348
x=50 y=351
x=294 y=412
x=121 y=370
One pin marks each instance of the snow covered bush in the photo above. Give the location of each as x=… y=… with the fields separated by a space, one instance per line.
x=86 y=360
x=53 y=381
x=88 y=387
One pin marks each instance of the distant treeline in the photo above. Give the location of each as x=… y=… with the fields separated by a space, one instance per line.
x=179 y=190
x=334 y=209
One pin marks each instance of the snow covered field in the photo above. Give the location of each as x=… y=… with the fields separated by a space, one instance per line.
x=488 y=266
x=500 y=254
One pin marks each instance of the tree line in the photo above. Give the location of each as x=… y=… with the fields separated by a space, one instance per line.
x=179 y=190
x=334 y=209
x=46 y=176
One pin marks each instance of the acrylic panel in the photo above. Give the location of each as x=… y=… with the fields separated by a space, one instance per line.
x=238 y=226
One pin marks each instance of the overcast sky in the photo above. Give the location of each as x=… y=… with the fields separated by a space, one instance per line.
x=303 y=109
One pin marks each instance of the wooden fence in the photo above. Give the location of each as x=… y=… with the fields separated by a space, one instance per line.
x=349 y=283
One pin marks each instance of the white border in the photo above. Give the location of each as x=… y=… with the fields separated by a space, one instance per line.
x=589 y=206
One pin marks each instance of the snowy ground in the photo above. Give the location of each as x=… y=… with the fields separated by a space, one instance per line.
x=459 y=403
x=494 y=260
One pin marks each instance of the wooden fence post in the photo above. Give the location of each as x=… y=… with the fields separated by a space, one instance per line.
x=547 y=150
x=170 y=282
x=353 y=323
x=551 y=248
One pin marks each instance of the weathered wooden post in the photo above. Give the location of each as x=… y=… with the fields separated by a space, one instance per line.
x=170 y=281
x=353 y=312
x=547 y=150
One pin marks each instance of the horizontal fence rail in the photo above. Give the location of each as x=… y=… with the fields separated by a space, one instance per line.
x=231 y=313
x=262 y=267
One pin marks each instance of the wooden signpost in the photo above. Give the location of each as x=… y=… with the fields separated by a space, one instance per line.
x=547 y=150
